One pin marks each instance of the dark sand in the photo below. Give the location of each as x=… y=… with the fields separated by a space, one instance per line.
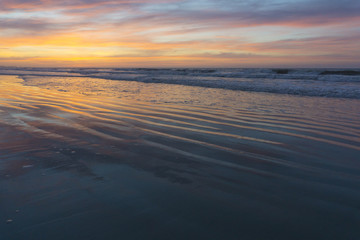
x=96 y=159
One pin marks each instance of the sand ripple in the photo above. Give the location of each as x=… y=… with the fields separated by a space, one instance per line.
x=237 y=138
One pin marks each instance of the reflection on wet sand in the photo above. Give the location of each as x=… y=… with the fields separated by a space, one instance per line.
x=90 y=149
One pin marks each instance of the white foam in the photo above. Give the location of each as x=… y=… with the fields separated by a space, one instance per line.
x=306 y=82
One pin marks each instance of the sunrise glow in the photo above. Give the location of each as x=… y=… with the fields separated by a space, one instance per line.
x=178 y=33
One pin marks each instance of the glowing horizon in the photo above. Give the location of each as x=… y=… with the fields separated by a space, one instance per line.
x=178 y=33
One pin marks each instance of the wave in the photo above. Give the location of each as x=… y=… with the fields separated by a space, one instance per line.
x=335 y=83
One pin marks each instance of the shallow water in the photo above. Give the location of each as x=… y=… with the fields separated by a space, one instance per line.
x=108 y=160
x=335 y=83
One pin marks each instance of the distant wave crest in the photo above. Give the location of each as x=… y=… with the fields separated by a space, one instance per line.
x=338 y=83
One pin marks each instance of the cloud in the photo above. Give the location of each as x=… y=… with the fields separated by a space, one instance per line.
x=316 y=45
x=207 y=15
x=234 y=13
x=178 y=29
x=24 y=24
x=300 y=14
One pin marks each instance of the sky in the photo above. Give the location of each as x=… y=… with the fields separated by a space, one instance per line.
x=180 y=33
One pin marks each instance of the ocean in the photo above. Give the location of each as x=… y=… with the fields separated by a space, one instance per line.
x=114 y=153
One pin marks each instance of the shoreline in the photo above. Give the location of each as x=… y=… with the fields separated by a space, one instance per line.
x=104 y=160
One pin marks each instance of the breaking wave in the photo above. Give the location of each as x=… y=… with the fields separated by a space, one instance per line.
x=335 y=83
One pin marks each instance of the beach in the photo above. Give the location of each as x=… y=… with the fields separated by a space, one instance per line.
x=179 y=154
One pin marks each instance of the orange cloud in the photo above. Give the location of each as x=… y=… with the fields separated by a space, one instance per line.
x=177 y=33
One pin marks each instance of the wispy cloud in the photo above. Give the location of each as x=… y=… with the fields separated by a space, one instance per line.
x=208 y=32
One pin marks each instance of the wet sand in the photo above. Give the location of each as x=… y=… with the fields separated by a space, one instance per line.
x=86 y=158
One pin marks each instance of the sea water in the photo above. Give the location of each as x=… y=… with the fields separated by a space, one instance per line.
x=179 y=153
